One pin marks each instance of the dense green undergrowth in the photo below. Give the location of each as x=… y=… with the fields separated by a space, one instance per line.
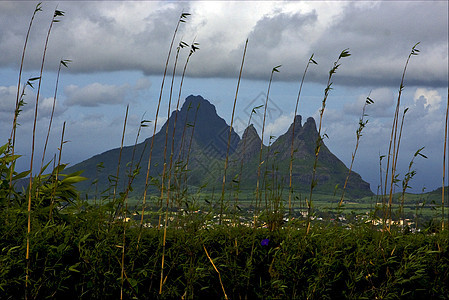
x=79 y=256
x=79 y=250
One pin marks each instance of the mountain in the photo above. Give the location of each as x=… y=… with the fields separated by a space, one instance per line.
x=200 y=142
x=276 y=162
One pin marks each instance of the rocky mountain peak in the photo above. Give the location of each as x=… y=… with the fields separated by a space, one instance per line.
x=249 y=145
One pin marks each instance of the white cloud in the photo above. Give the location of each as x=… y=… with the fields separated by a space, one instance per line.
x=278 y=126
x=8 y=96
x=95 y=94
x=384 y=99
x=143 y=84
x=431 y=98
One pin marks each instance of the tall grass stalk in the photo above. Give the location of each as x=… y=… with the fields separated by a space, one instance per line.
x=290 y=187
x=19 y=101
x=20 y=95
x=258 y=199
x=319 y=141
x=405 y=183
x=193 y=48
x=181 y=165
x=132 y=173
x=245 y=139
x=56 y=14
x=180 y=46
x=116 y=179
x=57 y=173
x=219 y=276
x=394 y=179
x=393 y=138
x=63 y=62
x=362 y=124
x=190 y=145
x=180 y=20
x=229 y=135
x=444 y=162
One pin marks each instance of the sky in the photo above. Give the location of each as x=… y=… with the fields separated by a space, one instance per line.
x=118 y=52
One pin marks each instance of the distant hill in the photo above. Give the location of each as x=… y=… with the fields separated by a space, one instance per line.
x=200 y=145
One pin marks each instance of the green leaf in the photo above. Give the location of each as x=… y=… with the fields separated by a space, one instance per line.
x=422 y=155
x=3 y=148
x=73 y=268
x=58 y=13
x=21 y=175
x=275 y=69
x=344 y=53
x=73 y=179
x=312 y=60
x=38 y=7
x=65 y=62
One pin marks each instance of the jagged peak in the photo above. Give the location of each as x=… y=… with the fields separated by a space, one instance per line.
x=298 y=124
x=192 y=102
x=310 y=122
x=250 y=133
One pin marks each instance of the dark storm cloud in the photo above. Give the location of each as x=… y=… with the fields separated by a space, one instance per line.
x=133 y=35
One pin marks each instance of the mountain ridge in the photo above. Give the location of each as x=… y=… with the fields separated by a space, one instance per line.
x=200 y=145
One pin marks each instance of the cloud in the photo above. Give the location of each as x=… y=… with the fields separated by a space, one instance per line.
x=8 y=96
x=95 y=94
x=132 y=35
x=46 y=107
x=423 y=127
x=142 y=84
x=279 y=126
x=384 y=99
x=430 y=98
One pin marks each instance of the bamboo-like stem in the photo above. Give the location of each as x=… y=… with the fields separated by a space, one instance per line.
x=290 y=189
x=190 y=145
x=408 y=176
x=180 y=20
x=444 y=161
x=393 y=166
x=275 y=69
x=229 y=135
x=114 y=192
x=19 y=96
x=57 y=13
x=193 y=48
x=132 y=174
x=219 y=276
x=362 y=124
x=61 y=63
x=319 y=141
x=264 y=182
x=253 y=111
x=167 y=124
x=57 y=172
x=123 y=209
x=393 y=140
x=180 y=164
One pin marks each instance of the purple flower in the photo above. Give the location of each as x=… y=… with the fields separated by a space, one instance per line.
x=265 y=242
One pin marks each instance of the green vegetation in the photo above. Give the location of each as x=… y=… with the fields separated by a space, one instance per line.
x=183 y=240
